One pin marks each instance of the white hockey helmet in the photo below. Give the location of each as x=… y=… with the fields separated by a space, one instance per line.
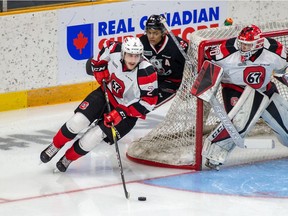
x=132 y=45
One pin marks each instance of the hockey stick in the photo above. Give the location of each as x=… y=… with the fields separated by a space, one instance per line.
x=180 y=48
x=164 y=22
x=204 y=87
x=230 y=128
x=114 y=135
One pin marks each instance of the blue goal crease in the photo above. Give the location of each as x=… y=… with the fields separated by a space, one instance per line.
x=266 y=179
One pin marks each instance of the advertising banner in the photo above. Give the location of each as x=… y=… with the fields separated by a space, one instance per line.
x=83 y=30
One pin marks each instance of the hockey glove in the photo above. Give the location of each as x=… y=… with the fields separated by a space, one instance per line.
x=100 y=70
x=115 y=117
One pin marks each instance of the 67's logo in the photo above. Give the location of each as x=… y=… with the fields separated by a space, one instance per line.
x=254 y=76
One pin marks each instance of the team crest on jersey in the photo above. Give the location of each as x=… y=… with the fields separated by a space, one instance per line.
x=254 y=76
x=84 y=105
x=118 y=86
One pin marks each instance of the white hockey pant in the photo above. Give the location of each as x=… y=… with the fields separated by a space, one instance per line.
x=276 y=116
x=244 y=115
x=92 y=137
x=77 y=123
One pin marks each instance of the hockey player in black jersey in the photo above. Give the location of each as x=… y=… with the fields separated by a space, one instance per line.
x=165 y=56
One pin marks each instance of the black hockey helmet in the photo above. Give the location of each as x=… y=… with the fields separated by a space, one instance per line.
x=154 y=22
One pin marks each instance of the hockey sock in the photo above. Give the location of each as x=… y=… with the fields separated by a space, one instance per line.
x=75 y=152
x=62 y=137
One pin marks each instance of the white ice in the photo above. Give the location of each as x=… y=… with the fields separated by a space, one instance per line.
x=92 y=185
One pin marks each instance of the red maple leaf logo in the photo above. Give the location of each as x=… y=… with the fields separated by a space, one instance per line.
x=80 y=42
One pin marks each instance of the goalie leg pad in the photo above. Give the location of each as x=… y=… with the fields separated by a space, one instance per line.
x=244 y=114
x=276 y=117
x=247 y=112
x=216 y=152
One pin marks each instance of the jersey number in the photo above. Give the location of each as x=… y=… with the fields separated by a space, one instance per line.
x=254 y=76
x=151 y=89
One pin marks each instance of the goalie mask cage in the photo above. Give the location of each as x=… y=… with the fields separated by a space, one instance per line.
x=177 y=141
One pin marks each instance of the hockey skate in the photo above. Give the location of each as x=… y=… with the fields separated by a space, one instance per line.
x=63 y=164
x=212 y=164
x=48 y=153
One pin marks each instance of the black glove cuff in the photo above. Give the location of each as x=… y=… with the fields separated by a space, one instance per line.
x=89 y=68
x=121 y=112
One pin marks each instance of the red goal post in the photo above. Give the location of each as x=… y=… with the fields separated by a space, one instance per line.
x=177 y=141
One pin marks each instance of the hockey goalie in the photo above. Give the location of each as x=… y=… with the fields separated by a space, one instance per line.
x=243 y=66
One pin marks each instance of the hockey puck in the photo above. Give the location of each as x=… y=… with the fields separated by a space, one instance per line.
x=142 y=198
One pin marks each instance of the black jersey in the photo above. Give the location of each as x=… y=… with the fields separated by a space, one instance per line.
x=167 y=59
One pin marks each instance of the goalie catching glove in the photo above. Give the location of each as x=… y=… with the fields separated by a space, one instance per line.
x=114 y=117
x=99 y=69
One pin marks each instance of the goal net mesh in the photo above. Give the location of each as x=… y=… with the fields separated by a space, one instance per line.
x=177 y=140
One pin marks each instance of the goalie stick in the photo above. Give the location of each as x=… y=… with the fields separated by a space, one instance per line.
x=204 y=87
x=188 y=60
x=114 y=135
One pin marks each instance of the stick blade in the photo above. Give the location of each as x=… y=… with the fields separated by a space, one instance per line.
x=259 y=143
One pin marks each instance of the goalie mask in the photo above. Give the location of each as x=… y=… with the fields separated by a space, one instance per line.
x=154 y=23
x=131 y=51
x=249 y=41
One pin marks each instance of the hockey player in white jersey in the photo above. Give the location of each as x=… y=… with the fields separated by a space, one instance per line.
x=249 y=61
x=132 y=91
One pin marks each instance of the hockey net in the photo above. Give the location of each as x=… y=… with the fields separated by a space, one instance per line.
x=177 y=141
